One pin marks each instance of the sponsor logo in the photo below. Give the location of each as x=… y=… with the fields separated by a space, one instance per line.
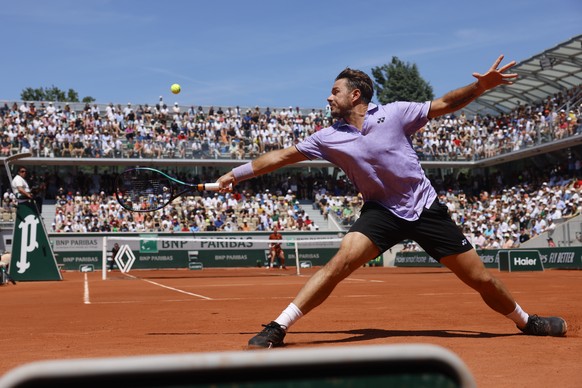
x=28 y=242
x=86 y=268
x=524 y=261
x=227 y=243
x=148 y=246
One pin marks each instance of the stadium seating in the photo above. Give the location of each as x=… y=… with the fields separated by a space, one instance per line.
x=157 y=131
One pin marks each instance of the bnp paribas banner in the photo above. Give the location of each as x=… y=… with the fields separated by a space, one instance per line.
x=563 y=257
x=243 y=249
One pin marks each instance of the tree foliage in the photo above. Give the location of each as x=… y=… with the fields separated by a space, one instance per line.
x=399 y=81
x=52 y=94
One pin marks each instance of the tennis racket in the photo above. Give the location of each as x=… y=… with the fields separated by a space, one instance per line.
x=145 y=189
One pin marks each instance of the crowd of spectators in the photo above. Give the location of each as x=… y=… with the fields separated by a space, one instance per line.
x=483 y=207
x=145 y=131
x=508 y=218
x=504 y=215
x=156 y=131
x=500 y=211
x=461 y=138
x=217 y=212
x=236 y=211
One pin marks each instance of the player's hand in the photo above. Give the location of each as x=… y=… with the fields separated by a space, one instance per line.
x=495 y=77
x=226 y=182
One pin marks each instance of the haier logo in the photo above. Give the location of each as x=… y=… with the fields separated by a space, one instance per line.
x=520 y=260
x=524 y=261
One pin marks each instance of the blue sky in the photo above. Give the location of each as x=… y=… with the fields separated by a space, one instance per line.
x=266 y=53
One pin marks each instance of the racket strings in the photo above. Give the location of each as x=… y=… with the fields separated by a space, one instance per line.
x=143 y=192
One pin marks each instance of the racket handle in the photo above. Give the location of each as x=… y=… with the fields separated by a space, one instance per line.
x=208 y=186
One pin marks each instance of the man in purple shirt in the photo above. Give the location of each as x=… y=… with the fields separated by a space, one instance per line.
x=372 y=145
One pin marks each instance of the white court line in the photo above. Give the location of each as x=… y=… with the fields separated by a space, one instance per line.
x=249 y=284
x=86 y=299
x=458 y=293
x=208 y=298
x=448 y=293
x=232 y=299
x=171 y=288
x=365 y=280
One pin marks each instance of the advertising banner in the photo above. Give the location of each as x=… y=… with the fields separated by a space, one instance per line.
x=75 y=251
x=249 y=249
x=563 y=257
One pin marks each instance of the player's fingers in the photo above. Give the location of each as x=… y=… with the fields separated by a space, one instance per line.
x=507 y=66
x=509 y=77
x=225 y=187
x=496 y=63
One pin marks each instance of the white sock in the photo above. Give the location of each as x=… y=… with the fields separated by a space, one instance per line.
x=518 y=316
x=289 y=316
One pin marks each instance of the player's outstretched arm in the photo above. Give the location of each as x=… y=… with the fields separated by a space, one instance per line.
x=457 y=99
x=264 y=164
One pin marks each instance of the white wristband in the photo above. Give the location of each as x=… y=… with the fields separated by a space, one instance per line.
x=243 y=172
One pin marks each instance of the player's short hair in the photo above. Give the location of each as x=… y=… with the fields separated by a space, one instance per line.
x=357 y=79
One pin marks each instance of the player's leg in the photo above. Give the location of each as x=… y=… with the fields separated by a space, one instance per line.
x=471 y=270
x=355 y=250
x=438 y=234
x=375 y=231
x=4 y=264
x=282 y=259
x=271 y=257
x=5 y=259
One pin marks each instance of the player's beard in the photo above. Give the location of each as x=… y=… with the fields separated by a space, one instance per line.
x=338 y=113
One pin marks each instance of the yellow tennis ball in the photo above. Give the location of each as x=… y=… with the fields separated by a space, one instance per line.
x=175 y=88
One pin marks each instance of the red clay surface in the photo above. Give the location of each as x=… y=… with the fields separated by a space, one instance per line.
x=169 y=312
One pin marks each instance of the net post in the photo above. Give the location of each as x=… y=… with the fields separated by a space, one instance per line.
x=297 y=258
x=104 y=259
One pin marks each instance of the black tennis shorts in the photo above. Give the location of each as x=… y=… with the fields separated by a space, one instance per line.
x=434 y=231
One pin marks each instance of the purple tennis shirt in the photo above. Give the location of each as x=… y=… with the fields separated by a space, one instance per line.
x=379 y=160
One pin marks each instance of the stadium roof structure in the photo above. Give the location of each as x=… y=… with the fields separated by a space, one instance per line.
x=554 y=70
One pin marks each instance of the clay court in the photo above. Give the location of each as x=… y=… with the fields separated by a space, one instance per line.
x=182 y=311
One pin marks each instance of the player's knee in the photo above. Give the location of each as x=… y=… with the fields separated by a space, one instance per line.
x=339 y=267
x=484 y=283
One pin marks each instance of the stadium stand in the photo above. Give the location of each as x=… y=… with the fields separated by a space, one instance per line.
x=457 y=150
x=92 y=132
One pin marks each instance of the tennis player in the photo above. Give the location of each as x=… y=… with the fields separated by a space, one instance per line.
x=371 y=143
